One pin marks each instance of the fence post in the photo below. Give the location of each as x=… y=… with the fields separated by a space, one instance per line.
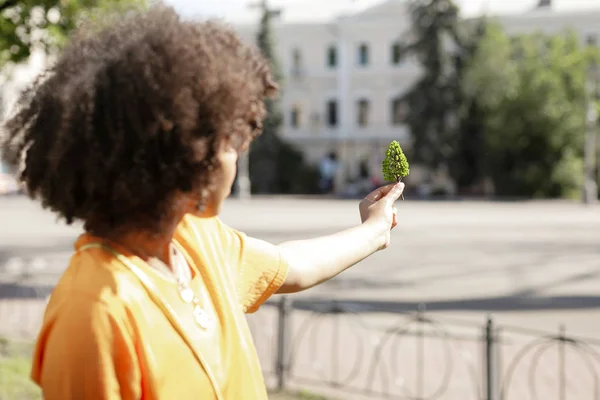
x=421 y=349
x=562 y=338
x=490 y=361
x=283 y=339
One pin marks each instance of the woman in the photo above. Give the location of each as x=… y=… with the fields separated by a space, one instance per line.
x=135 y=131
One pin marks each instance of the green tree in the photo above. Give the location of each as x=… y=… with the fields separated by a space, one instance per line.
x=26 y=24
x=265 y=149
x=446 y=124
x=467 y=161
x=533 y=91
x=431 y=100
x=275 y=165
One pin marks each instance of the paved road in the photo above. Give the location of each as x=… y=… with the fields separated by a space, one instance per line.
x=533 y=264
x=463 y=258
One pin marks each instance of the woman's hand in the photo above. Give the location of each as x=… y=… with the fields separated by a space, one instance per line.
x=378 y=209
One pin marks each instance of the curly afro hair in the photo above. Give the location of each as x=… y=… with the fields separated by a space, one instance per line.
x=133 y=113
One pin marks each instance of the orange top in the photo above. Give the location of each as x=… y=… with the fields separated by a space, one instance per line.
x=115 y=328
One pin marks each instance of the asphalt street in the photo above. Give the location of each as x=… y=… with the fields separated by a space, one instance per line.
x=459 y=258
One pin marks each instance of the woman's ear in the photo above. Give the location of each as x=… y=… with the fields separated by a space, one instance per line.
x=271 y=87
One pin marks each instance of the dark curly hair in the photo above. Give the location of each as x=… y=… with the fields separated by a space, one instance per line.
x=134 y=112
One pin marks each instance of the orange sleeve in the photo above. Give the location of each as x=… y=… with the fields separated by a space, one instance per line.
x=85 y=352
x=260 y=268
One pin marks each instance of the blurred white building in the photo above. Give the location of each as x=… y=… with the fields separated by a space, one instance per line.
x=343 y=79
x=15 y=79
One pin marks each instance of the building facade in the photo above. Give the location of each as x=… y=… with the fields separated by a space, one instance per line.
x=344 y=78
x=342 y=83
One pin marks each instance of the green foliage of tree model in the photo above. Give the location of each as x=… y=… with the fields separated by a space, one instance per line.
x=25 y=24
x=533 y=91
x=275 y=165
x=395 y=165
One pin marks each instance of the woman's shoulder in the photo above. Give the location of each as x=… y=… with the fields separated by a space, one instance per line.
x=93 y=279
x=209 y=238
x=205 y=229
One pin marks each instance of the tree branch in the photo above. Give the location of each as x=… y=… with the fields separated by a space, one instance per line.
x=8 y=4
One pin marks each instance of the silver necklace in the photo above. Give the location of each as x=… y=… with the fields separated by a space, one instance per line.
x=182 y=271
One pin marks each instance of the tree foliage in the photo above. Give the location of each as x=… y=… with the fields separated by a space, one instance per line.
x=533 y=91
x=490 y=107
x=431 y=99
x=467 y=162
x=45 y=24
x=264 y=151
x=276 y=166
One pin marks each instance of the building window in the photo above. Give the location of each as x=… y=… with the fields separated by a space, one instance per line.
x=296 y=58
x=332 y=57
x=332 y=113
x=315 y=119
x=396 y=53
x=295 y=116
x=591 y=40
x=362 y=114
x=296 y=62
x=398 y=111
x=363 y=54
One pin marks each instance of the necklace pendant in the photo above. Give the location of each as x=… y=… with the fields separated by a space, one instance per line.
x=201 y=317
x=186 y=294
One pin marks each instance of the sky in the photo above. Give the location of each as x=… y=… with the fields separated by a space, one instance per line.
x=239 y=11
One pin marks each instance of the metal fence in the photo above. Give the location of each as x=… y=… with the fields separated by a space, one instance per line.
x=351 y=351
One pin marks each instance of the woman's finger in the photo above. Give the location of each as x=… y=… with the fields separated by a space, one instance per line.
x=380 y=192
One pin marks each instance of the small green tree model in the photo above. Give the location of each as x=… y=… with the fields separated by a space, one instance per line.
x=395 y=165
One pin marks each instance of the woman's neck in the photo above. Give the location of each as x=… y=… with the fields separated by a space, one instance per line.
x=146 y=244
x=152 y=243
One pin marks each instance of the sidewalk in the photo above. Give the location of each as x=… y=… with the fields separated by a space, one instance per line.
x=346 y=356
